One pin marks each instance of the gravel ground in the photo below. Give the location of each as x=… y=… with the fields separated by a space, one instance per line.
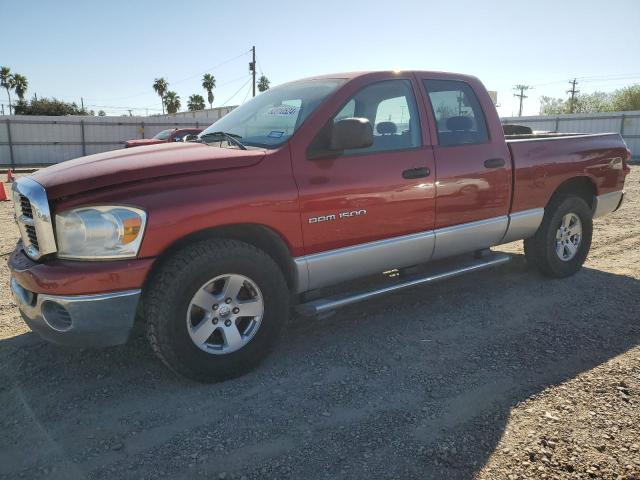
x=501 y=374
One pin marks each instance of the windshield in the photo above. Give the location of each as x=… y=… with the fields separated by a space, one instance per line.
x=163 y=135
x=272 y=117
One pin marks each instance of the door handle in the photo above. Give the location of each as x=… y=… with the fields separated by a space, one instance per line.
x=416 y=173
x=494 y=163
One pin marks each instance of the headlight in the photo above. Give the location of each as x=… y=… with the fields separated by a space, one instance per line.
x=100 y=232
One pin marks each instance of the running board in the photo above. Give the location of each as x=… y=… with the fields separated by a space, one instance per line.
x=328 y=304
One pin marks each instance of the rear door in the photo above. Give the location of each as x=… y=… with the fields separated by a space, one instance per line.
x=371 y=208
x=473 y=168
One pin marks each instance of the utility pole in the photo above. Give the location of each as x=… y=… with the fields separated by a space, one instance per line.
x=252 y=68
x=82 y=103
x=573 y=92
x=521 y=95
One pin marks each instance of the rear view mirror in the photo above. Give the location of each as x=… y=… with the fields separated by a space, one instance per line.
x=351 y=133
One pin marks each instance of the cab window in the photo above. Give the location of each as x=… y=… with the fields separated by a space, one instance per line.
x=390 y=107
x=459 y=117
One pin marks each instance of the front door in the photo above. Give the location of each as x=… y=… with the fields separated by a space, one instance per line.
x=370 y=209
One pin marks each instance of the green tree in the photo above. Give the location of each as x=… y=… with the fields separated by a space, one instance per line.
x=20 y=85
x=593 y=102
x=101 y=113
x=195 y=103
x=263 y=83
x=172 y=102
x=7 y=82
x=625 y=99
x=160 y=85
x=209 y=83
x=552 y=106
x=46 y=106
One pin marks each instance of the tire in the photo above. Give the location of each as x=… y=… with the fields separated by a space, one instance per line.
x=170 y=305
x=543 y=250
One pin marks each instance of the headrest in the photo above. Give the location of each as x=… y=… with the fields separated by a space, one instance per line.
x=459 y=124
x=386 y=128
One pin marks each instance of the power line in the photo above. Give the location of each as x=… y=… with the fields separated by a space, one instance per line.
x=596 y=78
x=148 y=92
x=212 y=68
x=217 y=86
x=245 y=97
x=237 y=91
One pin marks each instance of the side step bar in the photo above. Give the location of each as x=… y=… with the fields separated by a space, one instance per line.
x=328 y=304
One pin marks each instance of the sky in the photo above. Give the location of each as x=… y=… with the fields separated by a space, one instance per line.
x=110 y=52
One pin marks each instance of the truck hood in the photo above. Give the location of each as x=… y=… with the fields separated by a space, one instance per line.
x=131 y=165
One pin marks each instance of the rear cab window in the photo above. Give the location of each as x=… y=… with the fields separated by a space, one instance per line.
x=457 y=111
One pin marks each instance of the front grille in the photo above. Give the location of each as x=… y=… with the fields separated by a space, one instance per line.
x=31 y=233
x=34 y=218
x=30 y=229
x=25 y=206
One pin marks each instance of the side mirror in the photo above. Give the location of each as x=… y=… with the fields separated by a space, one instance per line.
x=351 y=133
x=190 y=138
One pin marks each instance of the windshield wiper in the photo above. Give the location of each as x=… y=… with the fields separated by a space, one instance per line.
x=230 y=137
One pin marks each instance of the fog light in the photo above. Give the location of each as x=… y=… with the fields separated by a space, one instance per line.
x=56 y=316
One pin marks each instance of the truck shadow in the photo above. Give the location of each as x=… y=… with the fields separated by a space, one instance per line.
x=419 y=384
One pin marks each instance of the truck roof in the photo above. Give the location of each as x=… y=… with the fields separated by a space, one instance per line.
x=365 y=73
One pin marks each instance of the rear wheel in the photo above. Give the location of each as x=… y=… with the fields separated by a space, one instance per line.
x=562 y=243
x=215 y=309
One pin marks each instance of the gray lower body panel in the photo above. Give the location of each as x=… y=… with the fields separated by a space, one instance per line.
x=523 y=224
x=469 y=237
x=607 y=203
x=343 y=264
x=335 y=266
x=80 y=320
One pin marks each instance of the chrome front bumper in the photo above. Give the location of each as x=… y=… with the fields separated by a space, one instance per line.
x=79 y=320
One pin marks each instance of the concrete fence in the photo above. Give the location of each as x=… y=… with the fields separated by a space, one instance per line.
x=626 y=124
x=27 y=141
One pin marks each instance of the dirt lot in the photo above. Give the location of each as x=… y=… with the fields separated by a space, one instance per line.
x=497 y=375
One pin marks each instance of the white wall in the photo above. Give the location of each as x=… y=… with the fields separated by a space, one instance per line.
x=44 y=140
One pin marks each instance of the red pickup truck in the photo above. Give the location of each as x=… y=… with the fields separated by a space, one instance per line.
x=165 y=136
x=316 y=183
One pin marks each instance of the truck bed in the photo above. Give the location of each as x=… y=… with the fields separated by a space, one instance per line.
x=541 y=162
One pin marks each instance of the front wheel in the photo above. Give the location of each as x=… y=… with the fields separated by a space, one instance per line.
x=215 y=309
x=562 y=243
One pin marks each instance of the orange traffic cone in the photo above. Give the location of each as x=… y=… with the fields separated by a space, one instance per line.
x=9 y=176
x=3 y=193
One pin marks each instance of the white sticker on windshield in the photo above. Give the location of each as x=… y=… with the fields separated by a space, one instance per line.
x=282 y=111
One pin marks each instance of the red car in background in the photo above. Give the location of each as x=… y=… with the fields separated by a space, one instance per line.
x=165 y=136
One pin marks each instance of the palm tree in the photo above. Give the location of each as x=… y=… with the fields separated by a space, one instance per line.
x=20 y=85
x=160 y=85
x=195 y=103
x=172 y=102
x=209 y=83
x=7 y=81
x=263 y=83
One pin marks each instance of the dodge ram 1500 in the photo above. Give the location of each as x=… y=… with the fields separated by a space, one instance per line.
x=314 y=184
